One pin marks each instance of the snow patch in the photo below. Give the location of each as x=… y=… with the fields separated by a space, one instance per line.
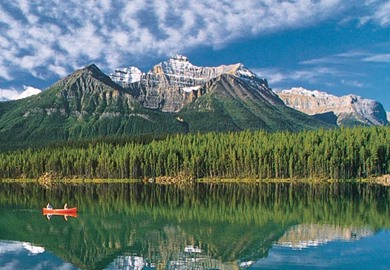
x=180 y=58
x=192 y=249
x=309 y=93
x=191 y=88
x=182 y=71
x=127 y=75
x=243 y=71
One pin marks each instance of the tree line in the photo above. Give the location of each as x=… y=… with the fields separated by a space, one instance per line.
x=343 y=153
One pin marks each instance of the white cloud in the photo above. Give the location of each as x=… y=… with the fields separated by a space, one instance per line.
x=69 y=34
x=379 y=53
x=341 y=58
x=273 y=75
x=376 y=11
x=28 y=91
x=8 y=94
x=353 y=83
x=382 y=14
x=4 y=72
x=12 y=94
x=59 y=36
x=385 y=58
x=315 y=75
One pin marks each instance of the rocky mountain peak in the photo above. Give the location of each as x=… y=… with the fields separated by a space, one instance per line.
x=178 y=69
x=93 y=69
x=173 y=83
x=126 y=76
x=180 y=66
x=349 y=109
x=85 y=80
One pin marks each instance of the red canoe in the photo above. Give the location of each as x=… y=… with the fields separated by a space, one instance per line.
x=60 y=211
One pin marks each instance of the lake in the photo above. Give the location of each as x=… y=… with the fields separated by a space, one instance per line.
x=203 y=226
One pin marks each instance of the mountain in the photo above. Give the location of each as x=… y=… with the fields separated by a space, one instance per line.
x=85 y=104
x=227 y=97
x=173 y=97
x=348 y=110
x=172 y=84
x=228 y=102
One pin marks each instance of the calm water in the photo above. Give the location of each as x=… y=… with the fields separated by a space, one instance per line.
x=135 y=226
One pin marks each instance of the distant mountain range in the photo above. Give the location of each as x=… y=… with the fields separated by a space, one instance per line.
x=347 y=110
x=173 y=97
x=180 y=82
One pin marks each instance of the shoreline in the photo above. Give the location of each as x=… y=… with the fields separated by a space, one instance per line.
x=383 y=180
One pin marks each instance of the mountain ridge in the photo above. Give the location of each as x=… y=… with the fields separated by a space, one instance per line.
x=349 y=109
x=84 y=104
x=170 y=85
x=245 y=107
x=88 y=104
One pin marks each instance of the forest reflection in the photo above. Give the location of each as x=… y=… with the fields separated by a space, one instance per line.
x=161 y=225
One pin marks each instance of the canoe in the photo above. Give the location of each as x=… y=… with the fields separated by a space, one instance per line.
x=60 y=211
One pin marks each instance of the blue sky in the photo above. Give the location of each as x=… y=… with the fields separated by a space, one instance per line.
x=335 y=46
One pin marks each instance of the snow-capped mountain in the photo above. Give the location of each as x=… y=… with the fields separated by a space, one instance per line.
x=179 y=69
x=126 y=76
x=312 y=235
x=88 y=104
x=349 y=109
x=172 y=84
x=182 y=71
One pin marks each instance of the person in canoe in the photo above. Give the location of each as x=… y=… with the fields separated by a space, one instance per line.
x=66 y=207
x=49 y=206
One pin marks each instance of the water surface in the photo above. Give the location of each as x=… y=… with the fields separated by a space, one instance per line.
x=205 y=226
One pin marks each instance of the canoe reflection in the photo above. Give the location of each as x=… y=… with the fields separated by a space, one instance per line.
x=65 y=215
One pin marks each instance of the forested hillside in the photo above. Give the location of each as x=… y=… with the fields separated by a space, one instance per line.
x=337 y=154
x=87 y=104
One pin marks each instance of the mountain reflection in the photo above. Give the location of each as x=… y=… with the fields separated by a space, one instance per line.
x=204 y=226
x=181 y=260
x=14 y=246
x=312 y=235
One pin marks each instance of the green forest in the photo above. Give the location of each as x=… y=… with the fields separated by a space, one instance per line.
x=345 y=153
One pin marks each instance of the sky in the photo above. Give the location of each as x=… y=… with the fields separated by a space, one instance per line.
x=336 y=46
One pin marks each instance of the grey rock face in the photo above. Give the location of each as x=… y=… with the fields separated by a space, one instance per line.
x=349 y=109
x=172 y=84
x=89 y=91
